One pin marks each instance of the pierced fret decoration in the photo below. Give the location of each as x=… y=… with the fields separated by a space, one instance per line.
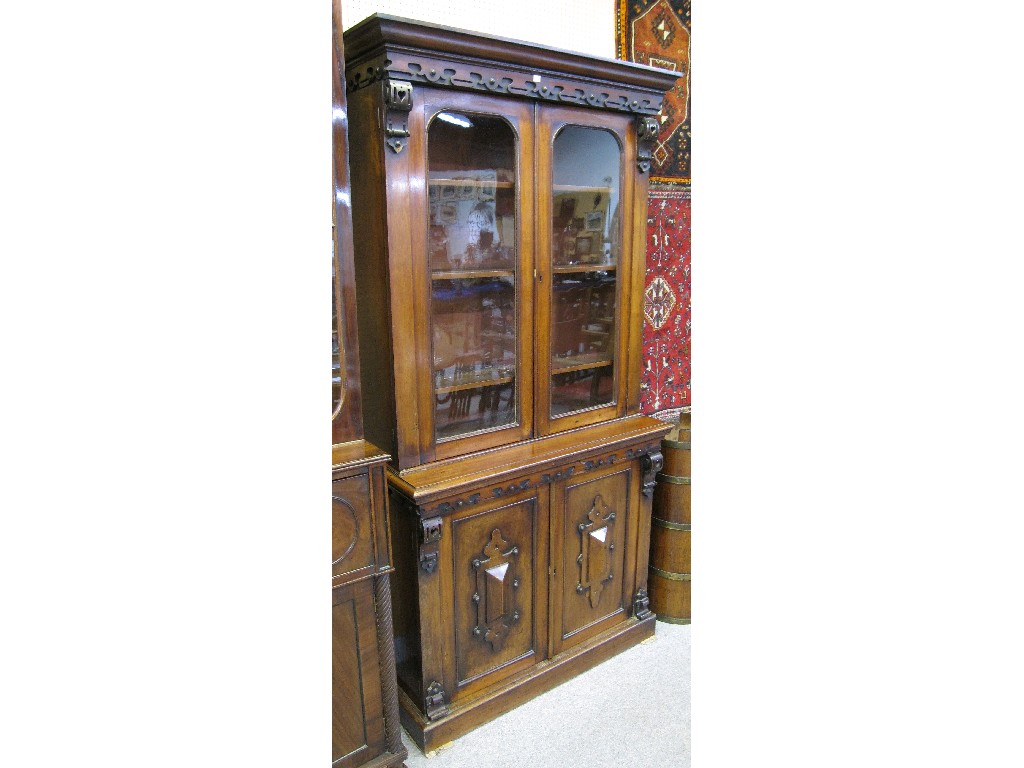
x=496 y=584
x=596 y=549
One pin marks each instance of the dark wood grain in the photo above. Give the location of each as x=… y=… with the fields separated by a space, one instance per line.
x=520 y=550
x=594 y=584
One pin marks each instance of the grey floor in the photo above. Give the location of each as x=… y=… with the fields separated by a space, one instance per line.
x=632 y=710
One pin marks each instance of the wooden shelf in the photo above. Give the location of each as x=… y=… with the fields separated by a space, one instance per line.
x=579 y=363
x=468 y=274
x=474 y=384
x=574 y=188
x=569 y=269
x=475 y=183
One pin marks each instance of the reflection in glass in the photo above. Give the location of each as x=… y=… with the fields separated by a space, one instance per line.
x=585 y=242
x=474 y=329
x=471 y=192
x=472 y=250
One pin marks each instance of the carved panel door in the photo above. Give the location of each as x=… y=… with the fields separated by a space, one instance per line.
x=500 y=588
x=593 y=530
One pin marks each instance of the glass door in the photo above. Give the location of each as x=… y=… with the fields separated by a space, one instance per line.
x=473 y=252
x=584 y=239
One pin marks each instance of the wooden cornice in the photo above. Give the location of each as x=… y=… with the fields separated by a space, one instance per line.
x=389 y=47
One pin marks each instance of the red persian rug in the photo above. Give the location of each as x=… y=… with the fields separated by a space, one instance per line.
x=657 y=33
x=665 y=382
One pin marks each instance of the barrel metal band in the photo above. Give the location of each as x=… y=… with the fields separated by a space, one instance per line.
x=671 y=526
x=663 y=478
x=668 y=575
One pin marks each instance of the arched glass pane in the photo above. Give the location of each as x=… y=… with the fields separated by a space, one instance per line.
x=586 y=240
x=473 y=262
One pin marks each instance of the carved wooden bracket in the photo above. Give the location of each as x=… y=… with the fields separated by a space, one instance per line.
x=397 y=104
x=496 y=584
x=641 y=604
x=596 y=550
x=430 y=536
x=434 y=704
x=650 y=465
x=646 y=135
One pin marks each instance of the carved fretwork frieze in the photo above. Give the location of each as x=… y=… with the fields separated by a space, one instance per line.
x=641 y=604
x=650 y=465
x=514 y=488
x=560 y=474
x=433 y=703
x=597 y=547
x=600 y=462
x=398 y=104
x=510 y=82
x=646 y=136
x=496 y=583
x=430 y=538
x=541 y=478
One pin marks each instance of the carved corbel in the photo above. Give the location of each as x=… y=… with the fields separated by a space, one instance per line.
x=397 y=105
x=641 y=604
x=646 y=135
x=430 y=536
x=650 y=465
x=434 y=704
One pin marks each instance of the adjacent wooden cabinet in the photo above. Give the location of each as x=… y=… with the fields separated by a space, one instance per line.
x=365 y=728
x=499 y=192
x=365 y=724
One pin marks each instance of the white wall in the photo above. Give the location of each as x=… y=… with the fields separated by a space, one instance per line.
x=587 y=26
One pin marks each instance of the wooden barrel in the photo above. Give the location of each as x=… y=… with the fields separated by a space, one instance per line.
x=669 y=576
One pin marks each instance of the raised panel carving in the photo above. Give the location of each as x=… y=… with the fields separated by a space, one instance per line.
x=496 y=584
x=594 y=520
x=494 y=553
x=597 y=548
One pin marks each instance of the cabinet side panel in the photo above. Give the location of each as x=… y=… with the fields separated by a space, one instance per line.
x=370 y=246
x=405 y=595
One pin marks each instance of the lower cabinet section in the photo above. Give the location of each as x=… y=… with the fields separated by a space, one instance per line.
x=358 y=712
x=507 y=585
